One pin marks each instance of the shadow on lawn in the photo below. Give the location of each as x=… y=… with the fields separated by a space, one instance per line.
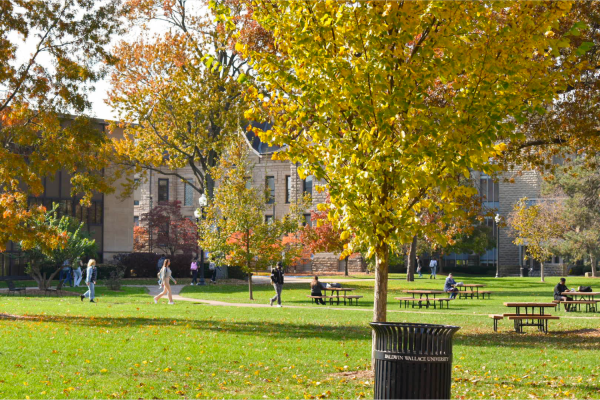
x=250 y=328
x=579 y=339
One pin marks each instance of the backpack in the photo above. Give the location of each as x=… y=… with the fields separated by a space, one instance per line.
x=334 y=285
x=584 y=289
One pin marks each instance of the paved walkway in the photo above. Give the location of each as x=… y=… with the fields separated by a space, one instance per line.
x=153 y=291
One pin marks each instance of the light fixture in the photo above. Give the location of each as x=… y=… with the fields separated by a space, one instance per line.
x=202 y=200
x=498 y=219
x=197 y=213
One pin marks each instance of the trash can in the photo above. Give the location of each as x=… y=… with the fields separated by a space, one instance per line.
x=412 y=361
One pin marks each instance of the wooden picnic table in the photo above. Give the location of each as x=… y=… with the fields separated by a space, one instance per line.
x=337 y=292
x=530 y=317
x=586 y=298
x=425 y=293
x=463 y=292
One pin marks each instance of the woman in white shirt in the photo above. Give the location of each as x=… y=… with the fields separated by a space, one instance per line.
x=165 y=277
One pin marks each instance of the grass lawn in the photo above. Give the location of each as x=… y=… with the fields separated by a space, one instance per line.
x=125 y=346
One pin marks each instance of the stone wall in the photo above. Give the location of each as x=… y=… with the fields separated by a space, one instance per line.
x=526 y=184
x=550 y=270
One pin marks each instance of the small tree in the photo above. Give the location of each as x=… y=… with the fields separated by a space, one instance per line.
x=538 y=227
x=171 y=231
x=235 y=222
x=321 y=235
x=76 y=243
x=140 y=239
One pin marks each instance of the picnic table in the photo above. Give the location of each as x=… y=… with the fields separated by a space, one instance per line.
x=464 y=292
x=586 y=298
x=337 y=294
x=530 y=317
x=427 y=301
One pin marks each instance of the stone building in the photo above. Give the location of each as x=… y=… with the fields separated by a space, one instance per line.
x=107 y=219
x=280 y=177
x=499 y=197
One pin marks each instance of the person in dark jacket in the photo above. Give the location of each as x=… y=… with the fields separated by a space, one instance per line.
x=419 y=267
x=450 y=286
x=277 y=281
x=315 y=289
x=559 y=289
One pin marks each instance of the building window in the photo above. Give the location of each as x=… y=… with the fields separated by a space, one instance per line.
x=136 y=221
x=268 y=219
x=307 y=185
x=270 y=187
x=163 y=190
x=307 y=220
x=188 y=195
x=489 y=189
x=248 y=183
x=136 y=192
x=288 y=189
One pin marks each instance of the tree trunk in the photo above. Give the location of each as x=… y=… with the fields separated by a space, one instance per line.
x=412 y=261
x=542 y=271
x=346 y=266
x=594 y=264
x=382 y=258
x=248 y=264
x=440 y=264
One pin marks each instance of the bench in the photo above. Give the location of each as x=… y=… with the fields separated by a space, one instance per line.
x=56 y=290
x=466 y=293
x=350 y=298
x=313 y=299
x=405 y=300
x=590 y=305
x=442 y=300
x=484 y=292
x=15 y=289
x=496 y=318
x=540 y=321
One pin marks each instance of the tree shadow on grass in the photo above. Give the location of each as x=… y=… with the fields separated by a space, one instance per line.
x=249 y=328
x=532 y=339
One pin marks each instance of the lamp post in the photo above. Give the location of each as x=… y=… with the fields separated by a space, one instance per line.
x=498 y=219
x=200 y=214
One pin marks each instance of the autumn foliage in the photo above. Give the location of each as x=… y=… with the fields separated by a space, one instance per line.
x=167 y=229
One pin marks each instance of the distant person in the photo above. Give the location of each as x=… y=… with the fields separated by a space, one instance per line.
x=69 y=273
x=165 y=276
x=277 y=281
x=159 y=265
x=419 y=267
x=433 y=267
x=212 y=267
x=450 y=286
x=194 y=269
x=77 y=272
x=559 y=289
x=315 y=290
x=90 y=280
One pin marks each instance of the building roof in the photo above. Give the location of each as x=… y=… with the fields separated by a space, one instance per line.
x=259 y=147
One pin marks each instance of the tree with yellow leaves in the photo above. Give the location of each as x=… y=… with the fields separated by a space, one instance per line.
x=235 y=225
x=387 y=101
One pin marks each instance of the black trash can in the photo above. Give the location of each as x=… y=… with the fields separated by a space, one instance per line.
x=413 y=361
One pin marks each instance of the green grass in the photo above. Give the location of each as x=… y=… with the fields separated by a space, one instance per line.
x=127 y=347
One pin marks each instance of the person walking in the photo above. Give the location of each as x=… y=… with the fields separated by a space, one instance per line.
x=159 y=265
x=315 y=290
x=194 y=269
x=77 y=272
x=165 y=275
x=433 y=267
x=277 y=281
x=90 y=280
x=419 y=267
x=212 y=267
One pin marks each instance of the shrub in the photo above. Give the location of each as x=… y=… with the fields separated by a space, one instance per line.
x=103 y=271
x=138 y=265
x=114 y=279
x=236 y=273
